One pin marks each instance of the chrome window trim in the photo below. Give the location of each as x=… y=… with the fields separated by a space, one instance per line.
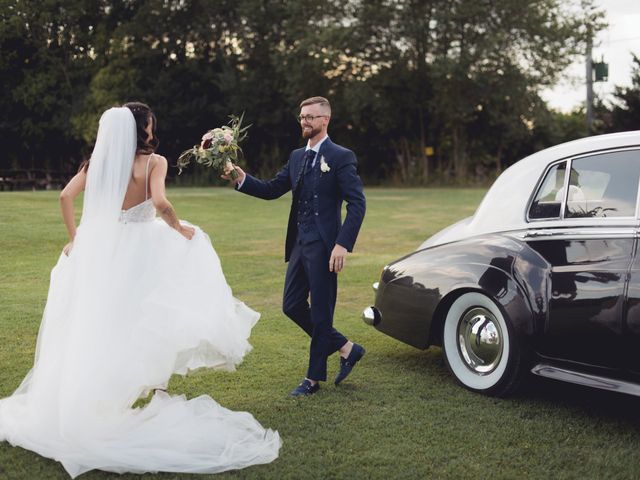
x=537 y=189
x=539 y=234
x=638 y=197
x=567 y=180
x=569 y=161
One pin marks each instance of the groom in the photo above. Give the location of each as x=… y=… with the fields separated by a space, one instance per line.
x=321 y=175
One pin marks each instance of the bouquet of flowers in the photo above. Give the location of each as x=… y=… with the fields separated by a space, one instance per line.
x=219 y=148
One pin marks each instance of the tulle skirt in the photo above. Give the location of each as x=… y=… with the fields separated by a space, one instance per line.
x=133 y=304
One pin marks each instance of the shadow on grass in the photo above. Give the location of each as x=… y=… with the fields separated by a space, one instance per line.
x=534 y=392
x=587 y=401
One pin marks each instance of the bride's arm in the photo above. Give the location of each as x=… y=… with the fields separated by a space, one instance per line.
x=159 y=198
x=67 y=196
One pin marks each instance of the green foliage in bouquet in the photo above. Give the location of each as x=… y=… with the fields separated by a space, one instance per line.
x=219 y=147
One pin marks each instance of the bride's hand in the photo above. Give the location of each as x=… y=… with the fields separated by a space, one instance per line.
x=186 y=231
x=67 y=248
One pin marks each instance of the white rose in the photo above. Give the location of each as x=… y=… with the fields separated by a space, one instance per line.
x=324 y=166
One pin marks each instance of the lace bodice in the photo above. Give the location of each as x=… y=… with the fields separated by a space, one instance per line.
x=143 y=212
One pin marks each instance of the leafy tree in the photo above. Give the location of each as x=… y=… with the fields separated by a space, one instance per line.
x=626 y=114
x=460 y=76
x=488 y=48
x=44 y=69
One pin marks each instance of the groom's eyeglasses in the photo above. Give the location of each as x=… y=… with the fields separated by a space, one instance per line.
x=310 y=118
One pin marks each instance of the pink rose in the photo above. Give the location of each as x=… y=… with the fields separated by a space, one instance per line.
x=228 y=138
x=207 y=136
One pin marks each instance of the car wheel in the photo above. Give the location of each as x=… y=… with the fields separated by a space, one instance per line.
x=480 y=347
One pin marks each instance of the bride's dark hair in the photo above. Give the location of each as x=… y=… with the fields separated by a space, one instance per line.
x=143 y=115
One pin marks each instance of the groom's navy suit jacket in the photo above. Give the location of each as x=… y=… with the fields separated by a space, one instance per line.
x=330 y=189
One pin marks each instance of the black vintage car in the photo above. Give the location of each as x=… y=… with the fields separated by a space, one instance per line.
x=544 y=277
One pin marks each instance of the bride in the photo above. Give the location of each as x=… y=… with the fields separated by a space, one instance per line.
x=133 y=299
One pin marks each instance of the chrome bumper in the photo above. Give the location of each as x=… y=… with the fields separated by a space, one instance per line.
x=371 y=316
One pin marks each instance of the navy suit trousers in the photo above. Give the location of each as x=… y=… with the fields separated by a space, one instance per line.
x=308 y=274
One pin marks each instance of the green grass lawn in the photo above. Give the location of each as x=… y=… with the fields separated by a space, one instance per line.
x=399 y=415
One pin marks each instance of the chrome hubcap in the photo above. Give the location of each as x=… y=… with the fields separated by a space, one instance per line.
x=480 y=340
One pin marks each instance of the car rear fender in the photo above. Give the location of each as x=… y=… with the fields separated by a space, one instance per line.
x=513 y=304
x=515 y=278
x=416 y=290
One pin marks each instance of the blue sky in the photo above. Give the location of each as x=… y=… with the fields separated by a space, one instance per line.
x=614 y=45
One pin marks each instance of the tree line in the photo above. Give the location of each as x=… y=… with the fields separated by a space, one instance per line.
x=424 y=91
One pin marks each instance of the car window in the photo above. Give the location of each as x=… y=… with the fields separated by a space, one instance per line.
x=548 y=200
x=604 y=185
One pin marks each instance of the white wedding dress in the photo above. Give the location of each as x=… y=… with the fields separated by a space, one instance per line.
x=134 y=303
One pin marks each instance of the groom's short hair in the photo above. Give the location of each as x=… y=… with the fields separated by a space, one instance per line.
x=323 y=102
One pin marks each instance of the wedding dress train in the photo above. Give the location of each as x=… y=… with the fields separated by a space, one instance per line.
x=119 y=321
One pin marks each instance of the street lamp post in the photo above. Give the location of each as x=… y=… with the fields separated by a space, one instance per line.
x=589 y=85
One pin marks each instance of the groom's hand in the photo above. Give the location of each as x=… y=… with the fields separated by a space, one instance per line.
x=338 y=258
x=239 y=171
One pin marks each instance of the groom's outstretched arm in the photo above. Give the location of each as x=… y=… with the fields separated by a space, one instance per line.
x=266 y=189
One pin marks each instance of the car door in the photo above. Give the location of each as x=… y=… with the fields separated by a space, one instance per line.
x=589 y=246
x=632 y=321
x=632 y=327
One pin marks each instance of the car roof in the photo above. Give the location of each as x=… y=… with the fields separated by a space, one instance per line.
x=504 y=206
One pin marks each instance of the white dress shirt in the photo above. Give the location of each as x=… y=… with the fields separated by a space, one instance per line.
x=315 y=148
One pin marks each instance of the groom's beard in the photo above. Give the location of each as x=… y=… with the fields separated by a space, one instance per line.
x=310 y=132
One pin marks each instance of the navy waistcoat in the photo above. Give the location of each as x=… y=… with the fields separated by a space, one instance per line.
x=306 y=223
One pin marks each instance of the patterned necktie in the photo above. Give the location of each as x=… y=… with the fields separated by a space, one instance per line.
x=306 y=166
x=310 y=155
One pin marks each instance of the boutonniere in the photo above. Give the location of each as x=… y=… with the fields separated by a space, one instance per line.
x=324 y=166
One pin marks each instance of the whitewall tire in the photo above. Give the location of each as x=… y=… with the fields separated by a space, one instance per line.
x=479 y=345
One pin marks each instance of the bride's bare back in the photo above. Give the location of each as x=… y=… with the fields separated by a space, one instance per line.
x=138 y=189
x=142 y=186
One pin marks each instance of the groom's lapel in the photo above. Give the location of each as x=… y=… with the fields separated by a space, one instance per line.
x=298 y=168
x=301 y=160
x=325 y=148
